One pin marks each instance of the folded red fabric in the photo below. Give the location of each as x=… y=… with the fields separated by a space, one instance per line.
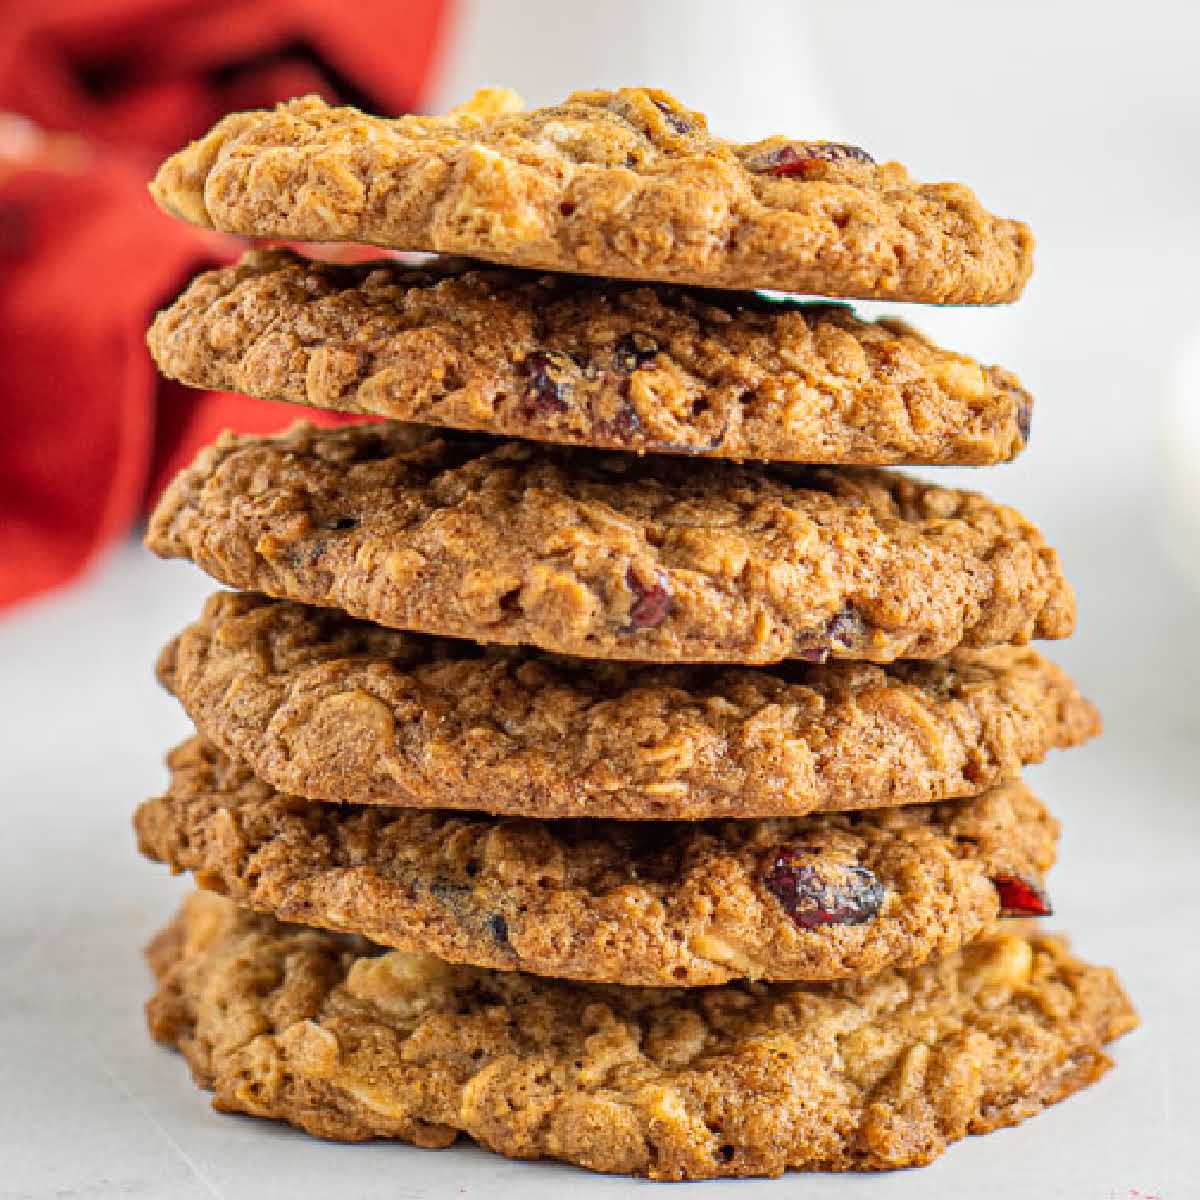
x=151 y=74
x=89 y=431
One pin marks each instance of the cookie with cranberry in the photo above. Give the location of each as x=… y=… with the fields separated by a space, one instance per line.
x=589 y=362
x=329 y=708
x=649 y=903
x=628 y=184
x=606 y=555
x=347 y=1041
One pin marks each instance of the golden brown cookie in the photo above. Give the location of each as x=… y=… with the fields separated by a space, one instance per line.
x=329 y=708
x=607 y=555
x=589 y=362
x=628 y=184
x=330 y=1034
x=651 y=903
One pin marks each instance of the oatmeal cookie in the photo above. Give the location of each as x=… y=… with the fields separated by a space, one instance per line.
x=589 y=362
x=329 y=708
x=628 y=184
x=649 y=903
x=346 y=1041
x=605 y=555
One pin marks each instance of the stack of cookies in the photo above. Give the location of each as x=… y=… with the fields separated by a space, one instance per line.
x=604 y=755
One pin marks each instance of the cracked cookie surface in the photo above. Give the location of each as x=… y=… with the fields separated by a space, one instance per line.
x=589 y=362
x=344 y=1041
x=326 y=707
x=605 y=555
x=627 y=184
x=649 y=903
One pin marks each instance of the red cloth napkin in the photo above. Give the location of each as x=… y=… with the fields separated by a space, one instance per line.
x=89 y=432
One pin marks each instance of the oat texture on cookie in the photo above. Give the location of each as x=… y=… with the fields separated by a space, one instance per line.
x=609 y=752
x=605 y=555
x=326 y=707
x=652 y=903
x=628 y=184
x=346 y=1041
x=593 y=362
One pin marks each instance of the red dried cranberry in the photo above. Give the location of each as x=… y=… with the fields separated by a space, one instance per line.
x=845 y=894
x=845 y=628
x=678 y=123
x=797 y=159
x=813 y=654
x=842 y=630
x=1021 y=897
x=1024 y=418
x=548 y=373
x=633 y=351
x=626 y=425
x=650 y=604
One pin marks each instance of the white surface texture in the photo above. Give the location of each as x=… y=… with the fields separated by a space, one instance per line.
x=1082 y=118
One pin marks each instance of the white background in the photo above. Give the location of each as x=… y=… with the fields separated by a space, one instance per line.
x=1083 y=119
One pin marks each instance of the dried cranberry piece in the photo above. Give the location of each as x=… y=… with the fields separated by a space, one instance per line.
x=626 y=425
x=1021 y=897
x=813 y=654
x=845 y=628
x=549 y=376
x=1024 y=418
x=842 y=630
x=845 y=894
x=650 y=604
x=798 y=159
x=680 y=124
x=633 y=351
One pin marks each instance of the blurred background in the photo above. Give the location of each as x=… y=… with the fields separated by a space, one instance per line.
x=1080 y=117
